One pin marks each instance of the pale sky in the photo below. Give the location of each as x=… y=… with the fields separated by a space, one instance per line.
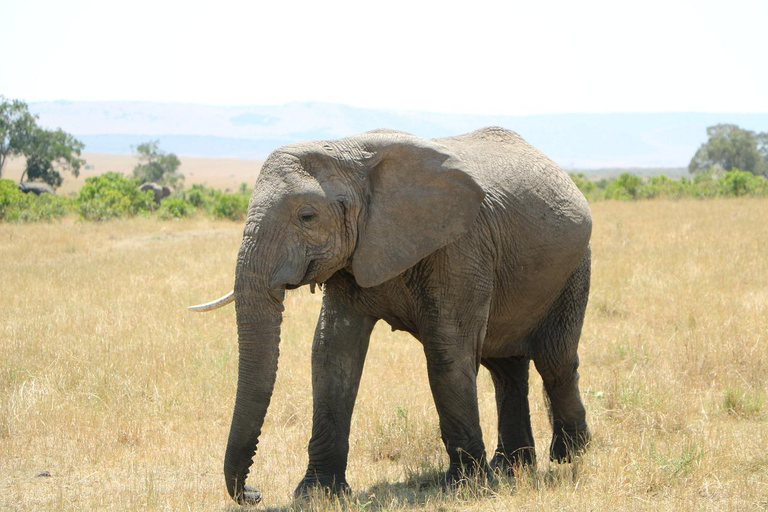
x=474 y=56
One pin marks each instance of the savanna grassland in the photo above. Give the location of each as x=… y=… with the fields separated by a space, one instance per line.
x=124 y=397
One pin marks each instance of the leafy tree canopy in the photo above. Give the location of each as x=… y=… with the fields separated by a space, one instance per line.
x=48 y=152
x=732 y=147
x=157 y=166
x=16 y=126
x=52 y=151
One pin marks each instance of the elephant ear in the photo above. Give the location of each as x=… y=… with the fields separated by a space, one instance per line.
x=421 y=198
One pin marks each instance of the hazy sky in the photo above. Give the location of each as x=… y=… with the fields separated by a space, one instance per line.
x=473 y=56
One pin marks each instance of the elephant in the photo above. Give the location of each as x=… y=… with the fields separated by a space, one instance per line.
x=160 y=192
x=477 y=245
x=35 y=187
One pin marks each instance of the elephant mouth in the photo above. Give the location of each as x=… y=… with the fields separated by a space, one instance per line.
x=309 y=276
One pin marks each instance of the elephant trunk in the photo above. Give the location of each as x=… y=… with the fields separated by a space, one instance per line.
x=259 y=314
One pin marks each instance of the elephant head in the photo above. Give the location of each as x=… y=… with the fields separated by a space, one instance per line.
x=374 y=204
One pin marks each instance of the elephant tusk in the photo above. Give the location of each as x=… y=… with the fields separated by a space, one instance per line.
x=216 y=304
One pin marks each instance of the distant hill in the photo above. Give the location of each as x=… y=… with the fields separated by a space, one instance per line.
x=575 y=141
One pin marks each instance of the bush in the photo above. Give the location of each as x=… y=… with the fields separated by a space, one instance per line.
x=705 y=185
x=199 y=196
x=11 y=200
x=741 y=183
x=229 y=206
x=16 y=206
x=626 y=186
x=175 y=207
x=664 y=187
x=112 y=195
x=218 y=204
x=715 y=182
x=45 y=207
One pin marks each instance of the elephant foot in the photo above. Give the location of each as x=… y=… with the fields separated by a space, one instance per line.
x=250 y=496
x=507 y=463
x=568 y=442
x=331 y=486
x=460 y=474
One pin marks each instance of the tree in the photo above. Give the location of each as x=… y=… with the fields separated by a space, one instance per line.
x=157 y=166
x=732 y=148
x=16 y=126
x=48 y=152
x=762 y=146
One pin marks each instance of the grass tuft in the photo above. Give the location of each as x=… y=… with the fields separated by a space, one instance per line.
x=743 y=404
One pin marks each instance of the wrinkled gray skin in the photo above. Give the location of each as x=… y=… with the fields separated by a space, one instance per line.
x=159 y=191
x=36 y=187
x=477 y=245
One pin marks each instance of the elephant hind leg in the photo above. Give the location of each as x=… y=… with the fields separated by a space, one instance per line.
x=555 y=343
x=515 y=445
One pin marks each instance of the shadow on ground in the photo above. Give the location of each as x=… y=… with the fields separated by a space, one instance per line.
x=424 y=487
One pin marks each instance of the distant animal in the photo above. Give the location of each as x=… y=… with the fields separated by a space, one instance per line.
x=160 y=192
x=477 y=245
x=36 y=187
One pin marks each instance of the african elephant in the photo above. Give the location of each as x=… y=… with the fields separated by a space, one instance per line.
x=477 y=245
x=159 y=191
x=35 y=187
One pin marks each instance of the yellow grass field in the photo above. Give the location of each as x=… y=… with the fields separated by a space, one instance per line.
x=220 y=173
x=124 y=397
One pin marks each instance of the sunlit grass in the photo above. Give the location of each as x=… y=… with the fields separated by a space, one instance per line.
x=125 y=398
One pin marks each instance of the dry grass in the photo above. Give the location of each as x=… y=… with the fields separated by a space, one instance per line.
x=125 y=398
x=220 y=173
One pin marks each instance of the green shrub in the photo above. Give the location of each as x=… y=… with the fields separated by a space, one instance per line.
x=229 y=206
x=218 y=204
x=705 y=185
x=664 y=187
x=715 y=182
x=175 y=207
x=16 y=206
x=626 y=186
x=199 y=196
x=244 y=190
x=45 y=207
x=112 y=195
x=741 y=183
x=12 y=200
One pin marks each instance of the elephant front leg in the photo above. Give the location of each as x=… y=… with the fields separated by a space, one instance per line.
x=338 y=353
x=453 y=380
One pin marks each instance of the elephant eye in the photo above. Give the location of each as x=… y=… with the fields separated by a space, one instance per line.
x=306 y=214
